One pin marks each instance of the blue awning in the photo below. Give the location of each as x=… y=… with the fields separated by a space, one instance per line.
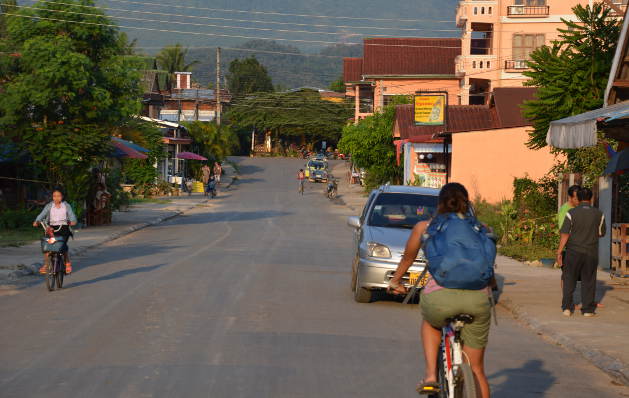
x=131 y=145
x=579 y=131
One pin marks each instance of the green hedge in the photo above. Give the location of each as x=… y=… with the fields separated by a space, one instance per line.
x=11 y=219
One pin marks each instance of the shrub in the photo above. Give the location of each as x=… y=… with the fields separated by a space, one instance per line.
x=13 y=219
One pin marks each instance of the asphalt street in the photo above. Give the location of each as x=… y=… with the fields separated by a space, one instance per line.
x=248 y=296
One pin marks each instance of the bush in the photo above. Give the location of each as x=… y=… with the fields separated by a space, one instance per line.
x=13 y=219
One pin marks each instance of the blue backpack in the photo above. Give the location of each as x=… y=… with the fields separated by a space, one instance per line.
x=459 y=252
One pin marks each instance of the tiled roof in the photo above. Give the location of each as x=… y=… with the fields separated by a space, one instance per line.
x=414 y=56
x=352 y=69
x=504 y=111
x=508 y=101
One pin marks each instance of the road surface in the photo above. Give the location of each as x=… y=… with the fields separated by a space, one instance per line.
x=247 y=297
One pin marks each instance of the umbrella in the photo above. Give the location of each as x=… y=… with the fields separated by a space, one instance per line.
x=131 y=145
x=121 y=150
x=190 y=156
x=618 y=162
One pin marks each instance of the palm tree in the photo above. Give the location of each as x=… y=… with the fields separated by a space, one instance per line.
x=173 y=59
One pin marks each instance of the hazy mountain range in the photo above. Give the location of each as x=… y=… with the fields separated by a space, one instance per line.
x=313 y=26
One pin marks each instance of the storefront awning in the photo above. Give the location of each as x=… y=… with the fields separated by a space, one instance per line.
x=580 y=130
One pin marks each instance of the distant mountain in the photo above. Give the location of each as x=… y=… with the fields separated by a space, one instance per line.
x=313 y=27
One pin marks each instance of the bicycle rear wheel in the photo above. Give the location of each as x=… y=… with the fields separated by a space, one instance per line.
x=465 y=383
x=60 y=268
x=50 y=272
x=441 y=374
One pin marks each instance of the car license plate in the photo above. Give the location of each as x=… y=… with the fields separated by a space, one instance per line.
x=413 y=276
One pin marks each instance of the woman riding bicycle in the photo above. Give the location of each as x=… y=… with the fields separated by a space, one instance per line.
x=59 y=216
x=439 y=303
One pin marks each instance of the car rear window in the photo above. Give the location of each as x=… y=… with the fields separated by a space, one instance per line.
x=402 y=210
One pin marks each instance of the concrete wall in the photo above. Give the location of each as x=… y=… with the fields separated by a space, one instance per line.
x=486 y=162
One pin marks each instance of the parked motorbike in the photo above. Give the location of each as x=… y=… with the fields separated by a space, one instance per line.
x=332 y=188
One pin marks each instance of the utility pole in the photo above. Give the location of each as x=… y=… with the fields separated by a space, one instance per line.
x=217 y=93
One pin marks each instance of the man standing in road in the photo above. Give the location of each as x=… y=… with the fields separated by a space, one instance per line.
x=206 y=178
x=581 y=229
x=301 y=176
x=218 y=170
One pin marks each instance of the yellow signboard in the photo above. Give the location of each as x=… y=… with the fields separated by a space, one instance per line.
x=430 y=109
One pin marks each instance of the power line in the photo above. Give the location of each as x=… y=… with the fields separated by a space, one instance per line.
x=248 y=20
x=395 y=20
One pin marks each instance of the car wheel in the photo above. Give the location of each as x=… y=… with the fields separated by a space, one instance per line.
x=361 y=295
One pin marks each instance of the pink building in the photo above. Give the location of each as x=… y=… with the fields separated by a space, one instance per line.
x=499 y=35
x=481 y=146
x=391 y=67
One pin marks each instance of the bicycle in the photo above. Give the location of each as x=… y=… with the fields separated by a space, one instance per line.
x=55 y=266
x=455 y=376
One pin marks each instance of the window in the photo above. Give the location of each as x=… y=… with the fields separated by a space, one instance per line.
x=482 y=10
x=489 y=10
x=475 y=10
x=488 y=64
x=524 y=45
x=529 y=2
x=473 y=64
x=481 y=65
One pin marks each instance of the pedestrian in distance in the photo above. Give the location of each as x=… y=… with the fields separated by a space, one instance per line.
x=301 y=177
x=218 y=170
x=580 y=232
x=206 y=178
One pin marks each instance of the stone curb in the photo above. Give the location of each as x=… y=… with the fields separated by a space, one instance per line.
x=32 y=269
x=615 y=368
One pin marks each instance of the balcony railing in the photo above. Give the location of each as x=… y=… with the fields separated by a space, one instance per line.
x=516 y=64
x=528 y=11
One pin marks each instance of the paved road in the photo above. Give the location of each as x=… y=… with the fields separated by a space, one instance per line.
x=246 y=298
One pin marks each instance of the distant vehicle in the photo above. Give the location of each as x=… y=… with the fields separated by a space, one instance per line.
x=317 y=170
x=321 y=157
x=380 y=235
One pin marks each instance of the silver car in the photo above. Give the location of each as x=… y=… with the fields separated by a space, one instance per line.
x=380 y=235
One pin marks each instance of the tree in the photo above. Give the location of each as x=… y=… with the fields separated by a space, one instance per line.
x=338 y=85
x=370 y=142
x=173 y=59
x=65 y=89
x=248 y=76
x=572 y=73
x=213 y=142
x=298 y=114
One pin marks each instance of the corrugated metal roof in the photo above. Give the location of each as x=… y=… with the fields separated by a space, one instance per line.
x=410 y=56
x=352 y=69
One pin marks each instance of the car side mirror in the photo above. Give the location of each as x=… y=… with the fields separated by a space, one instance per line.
x=353 y=222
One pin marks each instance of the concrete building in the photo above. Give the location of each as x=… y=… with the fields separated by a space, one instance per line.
x=393 y=67
x=499 y=36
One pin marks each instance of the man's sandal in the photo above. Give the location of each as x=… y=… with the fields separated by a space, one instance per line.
x=427 y=388
x=43 y=270
x=68 y=268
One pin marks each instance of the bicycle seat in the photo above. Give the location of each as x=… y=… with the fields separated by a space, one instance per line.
x=464 y=318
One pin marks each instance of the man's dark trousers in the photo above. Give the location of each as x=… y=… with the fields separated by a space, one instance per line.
x=579 y=265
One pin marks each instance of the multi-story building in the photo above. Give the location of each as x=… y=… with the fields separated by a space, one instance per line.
x=499 y=36
x=392 y=67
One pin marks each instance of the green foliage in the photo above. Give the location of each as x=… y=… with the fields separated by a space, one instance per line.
x=173 y=59
x=142 y=172
x=248 y=76
x=526 y=226
x=370 y=142
x=212 y=141
x=12 y=219
x=338 y=85
x=572 y=73
x=301 y=113
x=70 y=72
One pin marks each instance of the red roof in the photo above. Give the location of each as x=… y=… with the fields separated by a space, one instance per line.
x=352 y=69
x=417 y=56
x=504 y=111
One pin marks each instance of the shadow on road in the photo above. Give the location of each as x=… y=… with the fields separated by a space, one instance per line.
x=231 y=216
x=249 y=169
x=248 y=181
x=115 y=275
x=529 y=380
